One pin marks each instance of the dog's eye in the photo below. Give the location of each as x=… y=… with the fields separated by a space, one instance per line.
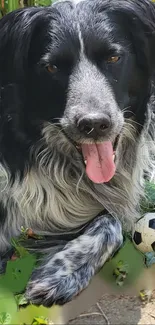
x=52 y=68
x=113 y=59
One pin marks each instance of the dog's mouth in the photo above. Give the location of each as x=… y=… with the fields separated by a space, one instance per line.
x=99 y=159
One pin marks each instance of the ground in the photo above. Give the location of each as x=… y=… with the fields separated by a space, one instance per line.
x=112 y=309
x=121 y=306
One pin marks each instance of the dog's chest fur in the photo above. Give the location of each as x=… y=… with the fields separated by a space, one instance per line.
x=38 y=203
x=55 y=193
x=52 y=196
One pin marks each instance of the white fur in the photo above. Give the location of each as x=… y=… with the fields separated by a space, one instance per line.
x=57 y=195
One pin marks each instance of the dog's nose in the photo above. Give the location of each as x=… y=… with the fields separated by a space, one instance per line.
x=93 y=127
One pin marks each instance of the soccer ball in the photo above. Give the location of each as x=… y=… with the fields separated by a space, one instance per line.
x=144 y=233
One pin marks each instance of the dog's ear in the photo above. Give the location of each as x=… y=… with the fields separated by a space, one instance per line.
x=139 y=15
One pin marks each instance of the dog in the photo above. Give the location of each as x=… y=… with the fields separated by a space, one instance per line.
x=76 y=134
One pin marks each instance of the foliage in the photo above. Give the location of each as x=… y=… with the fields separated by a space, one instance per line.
x=10 y=5
x=14 y=307
x=124 y=268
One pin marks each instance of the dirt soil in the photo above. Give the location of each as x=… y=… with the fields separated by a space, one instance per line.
x=119 y=310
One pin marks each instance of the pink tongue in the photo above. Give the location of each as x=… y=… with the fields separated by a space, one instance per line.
x=100 y=166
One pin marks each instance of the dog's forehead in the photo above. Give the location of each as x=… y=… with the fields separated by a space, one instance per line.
x=76 y=10
x=88 y=16
x=74 y=2
x=77 y=25
x=69 y=14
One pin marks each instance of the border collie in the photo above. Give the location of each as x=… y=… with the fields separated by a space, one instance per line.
x=76 y=134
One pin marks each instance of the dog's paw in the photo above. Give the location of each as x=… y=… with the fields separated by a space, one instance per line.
x=62 y=277
x=48 y=287
x=67 y=273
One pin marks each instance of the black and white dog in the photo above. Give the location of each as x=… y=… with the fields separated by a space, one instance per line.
x=76 y=133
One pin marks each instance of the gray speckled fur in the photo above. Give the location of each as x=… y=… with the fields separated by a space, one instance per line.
x=70 y=271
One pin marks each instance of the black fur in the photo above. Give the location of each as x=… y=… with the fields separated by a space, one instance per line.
x=25 y=36
x=31 y=40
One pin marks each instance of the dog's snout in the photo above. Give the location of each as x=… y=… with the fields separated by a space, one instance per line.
x=94 y=126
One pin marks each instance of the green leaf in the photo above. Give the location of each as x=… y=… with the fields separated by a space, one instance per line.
x=30 y=313
x=150 y=191
x=21 y=300
x=40 y=321
x=148 y=204
x=125 y=267
x=21 y=251
x=8 y=307
x=18 y=273
x=5 y=318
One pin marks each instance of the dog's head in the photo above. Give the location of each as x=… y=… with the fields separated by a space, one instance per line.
x=85 y=67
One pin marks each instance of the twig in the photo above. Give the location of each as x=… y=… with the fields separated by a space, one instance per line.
x=90 y=314
x=103 y=314
x=152 y=316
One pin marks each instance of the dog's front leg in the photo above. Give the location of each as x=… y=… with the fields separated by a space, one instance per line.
x=62 y=276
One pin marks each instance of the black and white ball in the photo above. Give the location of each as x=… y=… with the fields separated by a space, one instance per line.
x=144 y=233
